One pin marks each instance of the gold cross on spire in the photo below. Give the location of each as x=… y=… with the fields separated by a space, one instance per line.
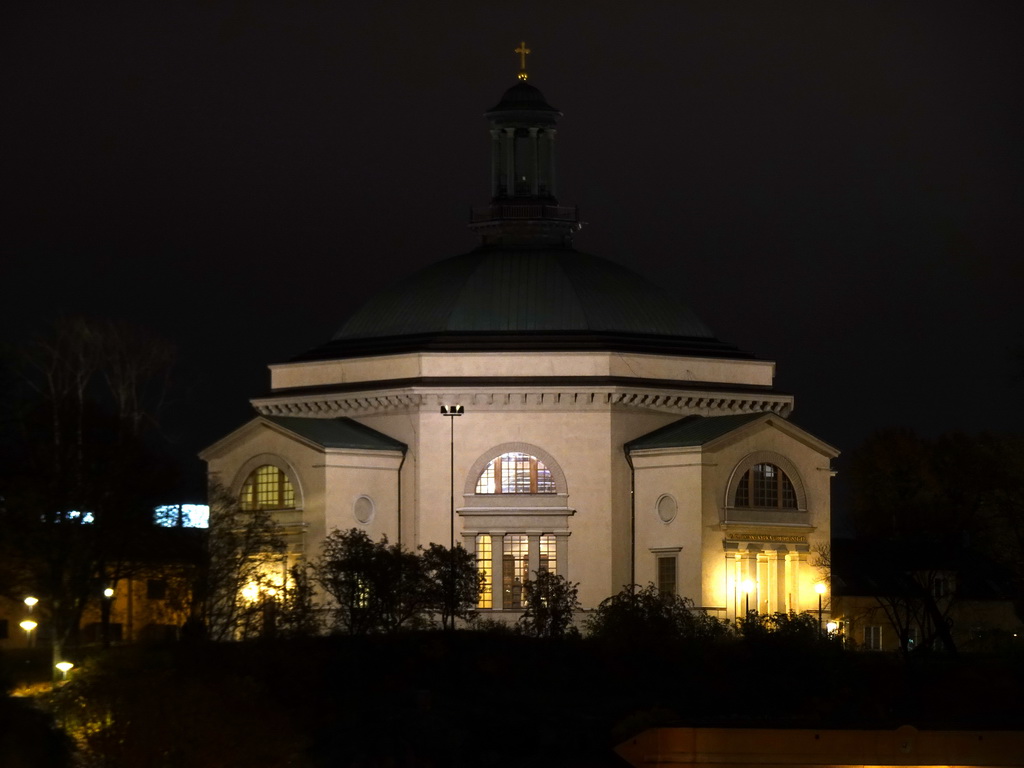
x=522 y=50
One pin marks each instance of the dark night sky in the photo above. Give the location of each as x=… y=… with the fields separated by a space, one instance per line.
x=835 y=186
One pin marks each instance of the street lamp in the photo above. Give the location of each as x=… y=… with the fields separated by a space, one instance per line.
x=451 y=411
x=747 y=586
x=820 y=588
x=831 y=627
x=31 y=603
x=108 y=593
x=28 y=625
x=64 y=667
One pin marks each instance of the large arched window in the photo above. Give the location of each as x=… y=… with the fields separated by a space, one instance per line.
x=765 y=486
x=516 y=472
x=267 y=487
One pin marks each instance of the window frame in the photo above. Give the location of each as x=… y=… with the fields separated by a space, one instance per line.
x=759 y=488
x=783 y=464
x=872 y=637
x=537 y=474
x=666 y=554
x=250 y=467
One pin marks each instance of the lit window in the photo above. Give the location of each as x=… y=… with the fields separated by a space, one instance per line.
x=548 y=554
x=516 y=472
x=517 y=550
x=873 y=638
x=514 y=569
x=267 y=488
x=485 y=566
x=765 y=485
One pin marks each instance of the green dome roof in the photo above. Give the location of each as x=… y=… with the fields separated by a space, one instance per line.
x=525 y=288
x=525 y=299
x=521 y=97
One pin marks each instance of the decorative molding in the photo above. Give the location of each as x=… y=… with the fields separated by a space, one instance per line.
x=262 y=459
x=322 y=405
x=765 y=457
x=478 y=467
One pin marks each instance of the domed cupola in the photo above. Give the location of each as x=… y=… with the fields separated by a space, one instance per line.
x=524 y=210
x=525 y=287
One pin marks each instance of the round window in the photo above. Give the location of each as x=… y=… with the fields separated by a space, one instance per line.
x=667 y=508
x=363 y=509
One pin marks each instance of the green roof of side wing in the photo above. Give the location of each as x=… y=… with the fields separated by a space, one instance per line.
x=692 y=431
x=338 y=433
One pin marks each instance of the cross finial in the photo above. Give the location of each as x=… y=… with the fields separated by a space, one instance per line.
x=522 y=50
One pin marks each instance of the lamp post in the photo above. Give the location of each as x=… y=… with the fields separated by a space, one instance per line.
x=105 y=606
x=820 y=588
x=31 y=602
x=64 y=667
x=748 y=587
x=28 y=625
x=451 y=411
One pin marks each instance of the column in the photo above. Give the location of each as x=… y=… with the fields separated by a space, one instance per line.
x=550 y=133
x=762 y=579
x=496 y=162
x=795 y=574
x=562 y=554
x=534 y=163
x=497 y=578
x=776 y=576
x=533 y=559
x=510 y=161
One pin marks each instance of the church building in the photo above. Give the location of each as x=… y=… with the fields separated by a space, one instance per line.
x=547 y=410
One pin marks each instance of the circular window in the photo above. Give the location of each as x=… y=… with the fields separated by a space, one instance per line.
x=363 y=509
x=666 y=508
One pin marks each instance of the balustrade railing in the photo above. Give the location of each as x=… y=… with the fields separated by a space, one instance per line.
x=524 y=211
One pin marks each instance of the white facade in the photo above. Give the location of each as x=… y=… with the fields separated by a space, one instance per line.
x=606 y=536
x=565 y=358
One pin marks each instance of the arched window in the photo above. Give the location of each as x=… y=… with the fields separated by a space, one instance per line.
x=267 y=487
x=516 y=472
x=765 y=486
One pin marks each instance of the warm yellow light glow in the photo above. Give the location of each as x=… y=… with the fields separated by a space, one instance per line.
x=250 y=591
x=108 y=592
x=832 y=627
x=820 y=588
x=28 y=625
x=269 y=582
x=64 y=666
x=747 y=585
x=31 y=602
x=483 y=565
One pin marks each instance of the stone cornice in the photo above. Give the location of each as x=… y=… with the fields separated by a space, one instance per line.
x=698 y=400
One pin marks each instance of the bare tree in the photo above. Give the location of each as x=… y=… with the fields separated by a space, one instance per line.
x=232 y=590
x=90 y=464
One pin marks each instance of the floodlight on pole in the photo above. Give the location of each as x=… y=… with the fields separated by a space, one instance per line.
x=451 y=411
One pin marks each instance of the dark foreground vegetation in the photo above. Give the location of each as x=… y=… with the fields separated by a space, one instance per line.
x=482 y=698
